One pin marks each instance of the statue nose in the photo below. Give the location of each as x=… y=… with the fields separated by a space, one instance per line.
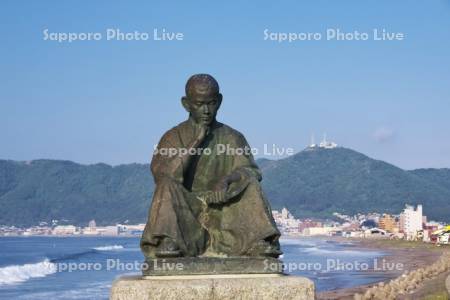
x=205 y=109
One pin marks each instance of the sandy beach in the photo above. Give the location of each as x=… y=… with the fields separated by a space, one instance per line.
x=411 y=256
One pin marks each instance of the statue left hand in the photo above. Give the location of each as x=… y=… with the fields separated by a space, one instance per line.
x=212 y=197
x=224 y=183
x=221 y=188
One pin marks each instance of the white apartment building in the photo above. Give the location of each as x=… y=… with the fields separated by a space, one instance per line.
x=411 y=221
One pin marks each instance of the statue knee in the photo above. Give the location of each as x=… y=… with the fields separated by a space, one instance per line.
x=167 y=181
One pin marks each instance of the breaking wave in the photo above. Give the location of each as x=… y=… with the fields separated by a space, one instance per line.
x=343 y=252
x=108 y=248
x=20 y=273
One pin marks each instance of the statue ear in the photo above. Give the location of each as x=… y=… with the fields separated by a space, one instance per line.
x=219 y=99
x=185 y=102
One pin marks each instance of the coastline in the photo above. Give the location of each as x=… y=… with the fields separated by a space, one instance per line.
x=412 y=255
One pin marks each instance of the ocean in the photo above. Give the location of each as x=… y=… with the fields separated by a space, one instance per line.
x=84 y=267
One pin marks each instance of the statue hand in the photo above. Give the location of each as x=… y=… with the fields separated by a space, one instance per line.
x=225 y=182
x=203 y=133
x=220 y=197
x=221 y=188
x=213 y=197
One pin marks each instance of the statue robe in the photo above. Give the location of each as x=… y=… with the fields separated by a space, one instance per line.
x=231 y=229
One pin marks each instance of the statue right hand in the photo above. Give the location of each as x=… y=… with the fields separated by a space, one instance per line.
x=203 y=133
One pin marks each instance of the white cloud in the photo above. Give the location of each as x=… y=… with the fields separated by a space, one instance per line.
x=383 y=134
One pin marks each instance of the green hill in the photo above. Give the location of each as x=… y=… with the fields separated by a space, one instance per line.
x=43 y=190
x=321 y=181
x=310 y=183
x=438 y=176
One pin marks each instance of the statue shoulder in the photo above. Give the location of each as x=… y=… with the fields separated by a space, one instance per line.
x=171 y=136
x=233 y=133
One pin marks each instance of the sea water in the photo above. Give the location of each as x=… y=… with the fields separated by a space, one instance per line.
x=84 y=267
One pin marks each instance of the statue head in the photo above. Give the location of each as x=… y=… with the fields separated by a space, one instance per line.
x=202 y=99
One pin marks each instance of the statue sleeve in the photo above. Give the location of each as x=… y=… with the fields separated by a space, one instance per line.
x=245 y=163
x=166 y=161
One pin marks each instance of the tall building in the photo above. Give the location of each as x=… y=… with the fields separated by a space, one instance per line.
x=91 y=229
x=285 y=213
x=92 y=224
x=411 y=221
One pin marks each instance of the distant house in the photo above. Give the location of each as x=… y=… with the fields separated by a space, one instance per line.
x=375 y=232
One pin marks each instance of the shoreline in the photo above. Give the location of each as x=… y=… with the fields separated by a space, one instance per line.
x=412 y=255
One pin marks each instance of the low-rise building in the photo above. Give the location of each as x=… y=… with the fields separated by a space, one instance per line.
x=318 y=230
x=127 y=229
x=388 y=223
x=108 y=230
x=64 y=230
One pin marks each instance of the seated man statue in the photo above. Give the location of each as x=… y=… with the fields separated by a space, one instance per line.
x=207 y=201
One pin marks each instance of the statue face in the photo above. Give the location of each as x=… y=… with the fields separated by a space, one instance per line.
x=203 y=106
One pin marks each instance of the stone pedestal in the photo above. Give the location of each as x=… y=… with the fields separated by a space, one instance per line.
x=447 y=284
x=211 y=266
x=213 y=287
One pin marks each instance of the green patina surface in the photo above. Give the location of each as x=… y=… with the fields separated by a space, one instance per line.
x=208 y=200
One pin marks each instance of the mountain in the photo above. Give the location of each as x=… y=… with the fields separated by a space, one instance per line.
x=43 y=190
x=313 y=182
x=438 y=176
x=317 y=182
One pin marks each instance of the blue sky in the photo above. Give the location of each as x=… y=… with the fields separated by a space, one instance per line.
x=110 y=101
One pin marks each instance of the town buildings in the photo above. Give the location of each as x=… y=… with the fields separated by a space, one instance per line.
x=388 y=223
x=65 y=230
x=410 y=224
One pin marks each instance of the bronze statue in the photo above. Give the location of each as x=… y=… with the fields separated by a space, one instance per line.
x=207 y=203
